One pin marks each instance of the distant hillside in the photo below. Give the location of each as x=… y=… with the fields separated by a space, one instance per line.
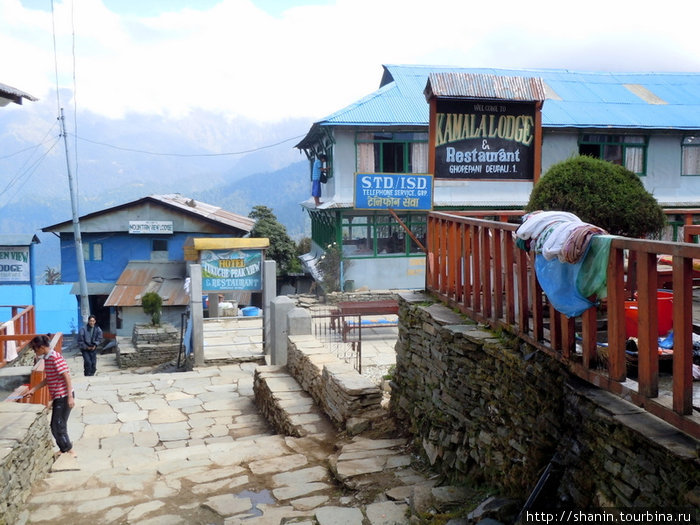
x=280 y=190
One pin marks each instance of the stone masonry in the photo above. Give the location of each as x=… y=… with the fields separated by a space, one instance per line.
x=25 y=455
x=149 y=345
x=486 y=406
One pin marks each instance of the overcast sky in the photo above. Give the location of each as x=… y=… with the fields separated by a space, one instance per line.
x=271 y=59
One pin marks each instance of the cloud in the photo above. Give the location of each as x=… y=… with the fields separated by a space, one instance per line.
x=238 y=60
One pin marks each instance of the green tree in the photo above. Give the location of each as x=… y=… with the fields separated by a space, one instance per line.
x=152 y=303
x=282 y=248
x=599 y=193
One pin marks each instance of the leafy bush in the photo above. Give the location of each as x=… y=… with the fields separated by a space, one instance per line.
x=152 y=303
x=329 y=264
x=600 y=193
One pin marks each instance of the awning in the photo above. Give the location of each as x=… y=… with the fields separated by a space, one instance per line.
x=166 y=278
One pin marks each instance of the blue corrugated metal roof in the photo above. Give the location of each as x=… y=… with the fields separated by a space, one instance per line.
x=574 y=99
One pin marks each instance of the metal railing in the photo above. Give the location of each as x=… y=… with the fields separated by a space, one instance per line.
x=328 y=327
x=474 y=265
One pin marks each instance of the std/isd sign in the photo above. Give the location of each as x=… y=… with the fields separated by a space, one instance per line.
x=399 y=191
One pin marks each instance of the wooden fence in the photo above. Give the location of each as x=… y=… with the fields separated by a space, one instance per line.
x=475 y=266
x=18 y=331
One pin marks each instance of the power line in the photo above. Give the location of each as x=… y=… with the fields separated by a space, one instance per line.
x=228 y=154
x=55 y=56
x=28 y=172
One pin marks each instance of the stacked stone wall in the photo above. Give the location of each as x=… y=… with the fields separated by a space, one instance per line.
x=25 y=455
x=340 y=391
x=487 y=406
x=149 y=345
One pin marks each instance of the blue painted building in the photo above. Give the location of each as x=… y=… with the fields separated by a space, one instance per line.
x=153 y=231
x=647 y=122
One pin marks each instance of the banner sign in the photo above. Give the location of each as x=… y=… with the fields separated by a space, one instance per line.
x=14 y=264
x=399 y=191
x=480 y=139
x=231 y=270
x=141 y=227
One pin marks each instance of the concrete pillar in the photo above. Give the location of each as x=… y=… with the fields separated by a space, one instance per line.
x=299 y=322
x=279 y=309
x=268 y=295
x=213 y=305
x=197 y=313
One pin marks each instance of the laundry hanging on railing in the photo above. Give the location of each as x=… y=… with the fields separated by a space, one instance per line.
x=571 y=258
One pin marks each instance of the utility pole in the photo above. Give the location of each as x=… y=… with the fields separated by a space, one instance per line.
x=79 y=258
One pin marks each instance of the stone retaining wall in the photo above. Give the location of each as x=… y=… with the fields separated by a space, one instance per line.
x=341 y=392
x=148 y=346
x=489 y=407
x=25 y=455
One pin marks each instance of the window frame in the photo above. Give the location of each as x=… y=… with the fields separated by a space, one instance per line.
x=382 y=140
x=686 y=148
x=92 y=251
x=378 y=246
x=625 y=141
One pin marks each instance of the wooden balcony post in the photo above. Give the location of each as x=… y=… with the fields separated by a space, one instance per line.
x=682 y=335
x=648 y=362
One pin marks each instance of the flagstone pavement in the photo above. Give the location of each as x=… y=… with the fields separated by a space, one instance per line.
x=191 y=448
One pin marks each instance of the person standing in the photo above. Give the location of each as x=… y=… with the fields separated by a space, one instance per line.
x=89 y=338
x=316 y=171
x=60 y=389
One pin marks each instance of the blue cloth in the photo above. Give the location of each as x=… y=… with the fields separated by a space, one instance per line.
x=558 y=281
x=316 y=170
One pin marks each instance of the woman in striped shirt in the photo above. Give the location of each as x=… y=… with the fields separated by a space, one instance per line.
x=60 y=389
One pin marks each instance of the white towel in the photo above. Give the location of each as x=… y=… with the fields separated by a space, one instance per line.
x=10 y=346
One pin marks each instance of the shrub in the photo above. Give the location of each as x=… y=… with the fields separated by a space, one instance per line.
x=600 y=193
x=152 y=303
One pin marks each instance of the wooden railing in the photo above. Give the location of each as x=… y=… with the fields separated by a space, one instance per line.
x=37 y=375
x=18 y=330
x=474 y=265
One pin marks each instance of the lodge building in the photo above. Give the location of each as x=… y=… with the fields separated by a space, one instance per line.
x=647 y=122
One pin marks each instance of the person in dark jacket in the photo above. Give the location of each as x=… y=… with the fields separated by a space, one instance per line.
x=89 y=338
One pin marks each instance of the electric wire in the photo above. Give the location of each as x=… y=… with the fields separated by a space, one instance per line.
x=75 y=92
x=28 y=173
x=21 y=172
x=55 y=57
x=162 y=154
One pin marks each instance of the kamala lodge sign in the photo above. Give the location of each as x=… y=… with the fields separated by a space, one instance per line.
x=484 y=140
x=485 y=127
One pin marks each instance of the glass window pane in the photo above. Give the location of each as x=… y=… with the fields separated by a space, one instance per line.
x=86 y=251
x=97 y=251
x=357 y=240
x=691 y=160
x=419 y=230
x=634 y=159
x=613 y=154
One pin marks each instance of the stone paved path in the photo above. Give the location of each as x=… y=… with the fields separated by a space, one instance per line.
x=191 y=448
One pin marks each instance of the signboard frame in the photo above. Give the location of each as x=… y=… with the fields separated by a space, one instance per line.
x=398 y=191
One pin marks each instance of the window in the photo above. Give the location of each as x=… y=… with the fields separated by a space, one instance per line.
x=691 y=156
x=160 y=245
x=381 y=235
x=625 y=150
x=92 y=251
x=392 y=152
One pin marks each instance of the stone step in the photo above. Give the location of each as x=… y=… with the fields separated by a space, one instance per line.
x=286 y=406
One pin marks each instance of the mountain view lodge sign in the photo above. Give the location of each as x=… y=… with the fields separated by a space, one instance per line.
x=477 y=136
